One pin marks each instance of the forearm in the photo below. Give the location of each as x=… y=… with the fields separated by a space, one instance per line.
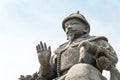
x=110 y=54
x=103 y=49
x=46 y=71
x=95 y=49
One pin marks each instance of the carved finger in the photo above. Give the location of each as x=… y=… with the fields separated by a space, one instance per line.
x=45 y=46
x=41 y=46
x=38 y=48
x=49 y=49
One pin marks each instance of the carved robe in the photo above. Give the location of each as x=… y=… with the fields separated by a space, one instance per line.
x=70 y=56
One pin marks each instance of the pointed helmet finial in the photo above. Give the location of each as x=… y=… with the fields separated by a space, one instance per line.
x=78 y=12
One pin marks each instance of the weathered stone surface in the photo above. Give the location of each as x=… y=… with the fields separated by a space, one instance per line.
x=83 y=72
x=82 y=57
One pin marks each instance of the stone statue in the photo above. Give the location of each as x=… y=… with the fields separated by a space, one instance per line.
x=82 y=57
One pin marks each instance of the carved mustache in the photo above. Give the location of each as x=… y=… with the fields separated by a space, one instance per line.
x=70 y=31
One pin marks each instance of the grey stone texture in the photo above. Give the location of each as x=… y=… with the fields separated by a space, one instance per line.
x=82 y=57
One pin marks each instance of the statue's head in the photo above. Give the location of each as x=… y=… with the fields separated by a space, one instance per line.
x=75 y=25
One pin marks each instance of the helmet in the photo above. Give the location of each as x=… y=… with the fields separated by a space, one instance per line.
x=77 y=16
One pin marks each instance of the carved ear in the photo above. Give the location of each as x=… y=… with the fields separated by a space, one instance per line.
x=86 y=30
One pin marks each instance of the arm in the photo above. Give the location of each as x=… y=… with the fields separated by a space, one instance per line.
x=104 y=54
x=109 y=60
x=44 y=54
x=98 y=49
x=107 y=50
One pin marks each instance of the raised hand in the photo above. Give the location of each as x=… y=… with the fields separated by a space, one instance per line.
x=44 y=53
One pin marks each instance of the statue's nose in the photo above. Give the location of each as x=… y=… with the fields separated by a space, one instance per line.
x=68 y=28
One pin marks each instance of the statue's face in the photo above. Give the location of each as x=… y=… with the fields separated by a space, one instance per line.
x=75 y=28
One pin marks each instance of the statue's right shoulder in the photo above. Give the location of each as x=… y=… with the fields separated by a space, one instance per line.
x=60 y=47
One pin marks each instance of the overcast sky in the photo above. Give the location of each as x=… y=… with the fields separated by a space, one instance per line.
x=23 y=23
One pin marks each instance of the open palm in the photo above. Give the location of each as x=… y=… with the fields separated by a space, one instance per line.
x=44 y=53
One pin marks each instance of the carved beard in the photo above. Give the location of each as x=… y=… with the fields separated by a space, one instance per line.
x=71 y=35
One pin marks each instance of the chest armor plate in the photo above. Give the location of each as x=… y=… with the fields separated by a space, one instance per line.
x=69 y=57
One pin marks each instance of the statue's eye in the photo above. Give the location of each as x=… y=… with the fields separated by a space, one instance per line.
x=74 y=23
x=66 y=25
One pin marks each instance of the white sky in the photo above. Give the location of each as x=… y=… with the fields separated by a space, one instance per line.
x=23 y=23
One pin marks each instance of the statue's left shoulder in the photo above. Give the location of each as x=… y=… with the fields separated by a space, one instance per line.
x=97 y=38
